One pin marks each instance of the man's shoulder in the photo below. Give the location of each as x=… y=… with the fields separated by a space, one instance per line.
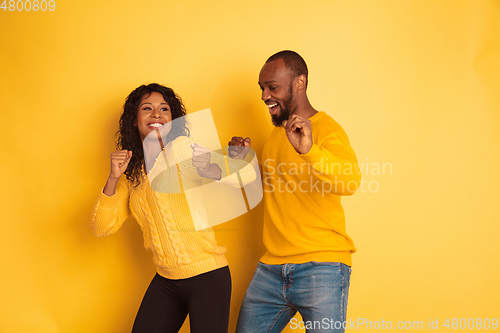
x=323 y=123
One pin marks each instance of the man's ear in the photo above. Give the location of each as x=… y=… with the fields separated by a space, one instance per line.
x=301 y=82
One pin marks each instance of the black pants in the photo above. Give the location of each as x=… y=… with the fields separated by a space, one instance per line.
x=206 y=297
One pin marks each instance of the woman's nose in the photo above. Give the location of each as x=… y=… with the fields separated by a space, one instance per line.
x=156 y=113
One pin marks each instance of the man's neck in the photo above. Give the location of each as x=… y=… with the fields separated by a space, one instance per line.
x=305 y=109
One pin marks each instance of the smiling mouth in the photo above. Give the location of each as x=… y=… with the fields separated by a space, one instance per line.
x=273 y=108
x=156 y=125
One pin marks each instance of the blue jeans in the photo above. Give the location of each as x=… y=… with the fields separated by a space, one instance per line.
x=318 y=290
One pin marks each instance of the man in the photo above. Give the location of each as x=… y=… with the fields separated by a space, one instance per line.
x=308 y=164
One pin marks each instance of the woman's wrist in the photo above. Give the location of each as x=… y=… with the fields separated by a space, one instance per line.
x=110 y=187
x=212 y=172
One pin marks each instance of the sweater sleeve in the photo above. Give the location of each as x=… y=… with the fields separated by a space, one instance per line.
x=333 y=160
x=230 y=167
x=234 y=170
x=111 y=211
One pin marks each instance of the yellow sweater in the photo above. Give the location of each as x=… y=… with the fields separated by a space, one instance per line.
x=179 y=251
x=303 y=218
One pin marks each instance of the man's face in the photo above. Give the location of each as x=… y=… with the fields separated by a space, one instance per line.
x=276 y=84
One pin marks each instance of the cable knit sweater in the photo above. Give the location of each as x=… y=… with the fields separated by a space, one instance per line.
x=179 y=251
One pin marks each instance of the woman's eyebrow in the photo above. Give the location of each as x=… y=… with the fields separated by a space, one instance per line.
x=152 y=104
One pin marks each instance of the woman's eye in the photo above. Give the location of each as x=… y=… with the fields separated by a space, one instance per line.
x=147 y=108
x=165 y=109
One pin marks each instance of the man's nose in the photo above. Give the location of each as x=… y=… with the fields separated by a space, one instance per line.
x=265 y=95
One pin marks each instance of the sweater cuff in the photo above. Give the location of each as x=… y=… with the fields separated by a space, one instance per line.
x=312 y=156
x=107 y=201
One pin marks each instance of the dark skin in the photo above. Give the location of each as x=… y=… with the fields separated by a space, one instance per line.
x=154 y=109
x=285 y=93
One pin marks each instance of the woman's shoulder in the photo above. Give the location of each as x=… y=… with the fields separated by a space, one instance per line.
x=181 y=147
x=182 y=140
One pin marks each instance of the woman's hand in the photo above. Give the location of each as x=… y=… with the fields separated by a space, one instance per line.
x=119 y=163
x=201 y=160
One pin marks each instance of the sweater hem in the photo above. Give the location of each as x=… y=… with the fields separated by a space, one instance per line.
x=326 y=256
x=193 y=269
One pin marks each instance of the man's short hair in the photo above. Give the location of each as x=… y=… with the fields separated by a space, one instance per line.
x=293 y=61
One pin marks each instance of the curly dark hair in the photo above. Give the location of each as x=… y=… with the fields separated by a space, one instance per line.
x=128 y=137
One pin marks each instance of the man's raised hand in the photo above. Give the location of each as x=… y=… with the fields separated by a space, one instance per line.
x=239 y=147
x=299 y=134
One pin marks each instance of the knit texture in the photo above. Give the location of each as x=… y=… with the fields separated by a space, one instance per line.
x=179 y=251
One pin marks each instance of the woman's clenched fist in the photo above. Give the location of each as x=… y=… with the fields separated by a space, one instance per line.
x=119 y=162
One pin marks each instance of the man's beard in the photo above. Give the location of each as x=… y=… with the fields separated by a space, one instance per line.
x=284 y=114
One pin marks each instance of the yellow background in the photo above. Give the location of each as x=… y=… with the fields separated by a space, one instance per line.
x=415 y=83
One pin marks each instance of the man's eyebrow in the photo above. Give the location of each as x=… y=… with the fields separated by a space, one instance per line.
x=267 y=82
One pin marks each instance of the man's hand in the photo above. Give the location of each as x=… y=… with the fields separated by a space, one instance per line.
x=239 y=147
x=298 y=131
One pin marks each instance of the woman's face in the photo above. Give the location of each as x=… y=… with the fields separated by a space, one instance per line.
x=153 y=113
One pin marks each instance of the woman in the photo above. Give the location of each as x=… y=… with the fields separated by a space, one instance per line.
x=192 y=273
